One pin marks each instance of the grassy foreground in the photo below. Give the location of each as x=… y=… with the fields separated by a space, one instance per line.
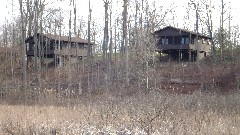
x=153 y=113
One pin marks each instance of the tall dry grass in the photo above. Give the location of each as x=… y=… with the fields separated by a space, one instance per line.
x=152 y=113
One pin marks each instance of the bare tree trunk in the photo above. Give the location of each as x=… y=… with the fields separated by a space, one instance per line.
x=105 y=43
x=5 y=42
x=23 y=52
x=229 y=34
x=125 y=40
x=92 y=56
x=221 y=26
x=13 y=54
x=69 y=56
x=196 y=8
x=106 y=36
x=36 y=46
x=145 y=52
x=40 y=42
x=111 y=42
x=60 y=62
x=115 y=51
x=210 y=27
x=89 y=54
x=110 y=49
x=30 y=18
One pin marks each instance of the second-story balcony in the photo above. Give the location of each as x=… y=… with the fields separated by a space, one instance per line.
x=176 y=46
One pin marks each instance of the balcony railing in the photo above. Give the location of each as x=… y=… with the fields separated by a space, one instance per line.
x=175 y=46
x=200 y=47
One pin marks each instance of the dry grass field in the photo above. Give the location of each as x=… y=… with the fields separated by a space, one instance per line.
x=153 y=113
x=182 y=99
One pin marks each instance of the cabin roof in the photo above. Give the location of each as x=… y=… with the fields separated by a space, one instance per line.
x=181 y=30
x=63 y=38
x=66 y=38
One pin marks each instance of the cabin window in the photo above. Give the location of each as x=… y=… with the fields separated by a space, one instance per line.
x=182 y=41
x=187 y=40
x=164 y=41
x=51 y=46
x=27 y=47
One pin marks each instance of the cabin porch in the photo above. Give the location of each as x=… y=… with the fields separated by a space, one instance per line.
x=179 y=55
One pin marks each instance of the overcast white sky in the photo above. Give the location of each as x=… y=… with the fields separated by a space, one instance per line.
x=10 y=7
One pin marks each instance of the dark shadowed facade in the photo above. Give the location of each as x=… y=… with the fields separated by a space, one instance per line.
x=182 y=44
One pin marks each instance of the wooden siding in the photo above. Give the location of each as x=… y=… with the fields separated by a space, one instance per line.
x=206 y=47
x=45 y=52
x=174 y=47
x=71 y=51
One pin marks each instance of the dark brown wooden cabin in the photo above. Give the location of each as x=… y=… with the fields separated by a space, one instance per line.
x=180 y=44
x=52 y=46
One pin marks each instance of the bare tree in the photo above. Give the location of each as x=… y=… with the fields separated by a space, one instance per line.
x=106 y=35
x=89 y=54
x=221 y=27
x=209 y=9
x=106 y=41
x=23 y=48
x=125 y=40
